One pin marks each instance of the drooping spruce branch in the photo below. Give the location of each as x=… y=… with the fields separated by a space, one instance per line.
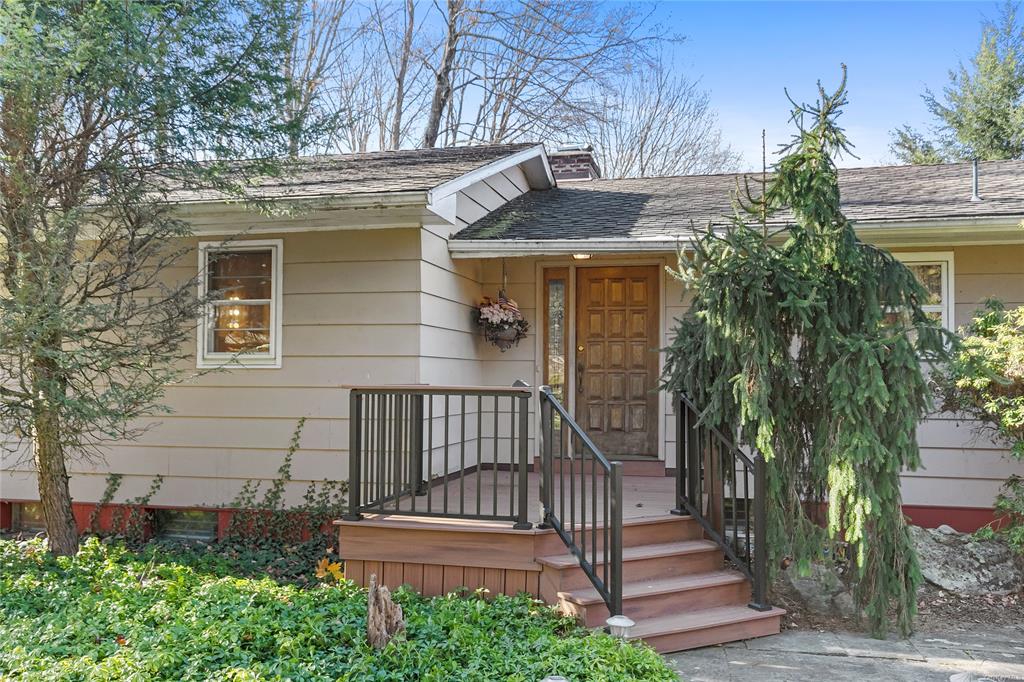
x=810 y=344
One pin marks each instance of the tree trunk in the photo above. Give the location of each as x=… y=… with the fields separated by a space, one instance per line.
x=54 y=493
x=403 y=69
x=443 y=85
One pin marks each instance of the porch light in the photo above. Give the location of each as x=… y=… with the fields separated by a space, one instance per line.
x=581 y=256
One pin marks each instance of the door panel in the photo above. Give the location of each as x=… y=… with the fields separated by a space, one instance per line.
x=616 y=358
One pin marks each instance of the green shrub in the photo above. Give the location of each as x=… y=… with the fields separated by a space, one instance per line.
x=985 y=380
x=110 y=614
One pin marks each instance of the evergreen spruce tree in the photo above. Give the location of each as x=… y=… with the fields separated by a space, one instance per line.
x=810 y=343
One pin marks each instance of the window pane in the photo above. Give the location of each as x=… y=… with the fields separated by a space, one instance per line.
x=240 y=288
x=28 y=516
x=930 y=276
x=241 y=275
x=555 y=352
x=241 y=328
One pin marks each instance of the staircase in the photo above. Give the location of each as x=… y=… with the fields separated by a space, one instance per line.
x=676 y=587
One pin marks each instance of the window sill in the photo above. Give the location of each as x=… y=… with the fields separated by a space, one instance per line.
x=238 y=363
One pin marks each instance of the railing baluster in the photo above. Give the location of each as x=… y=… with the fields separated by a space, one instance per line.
x=746 y=510
x=713 y=461
x=479 y=450
x=430 y=451
x=446 y=464
x=494 y=439
x=381 y=451
x=462 y=457
x=512 y=458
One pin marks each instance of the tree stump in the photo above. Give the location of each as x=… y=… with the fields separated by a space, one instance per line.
x=383 y=616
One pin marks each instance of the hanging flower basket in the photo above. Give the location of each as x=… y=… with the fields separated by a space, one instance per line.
x=502 y=323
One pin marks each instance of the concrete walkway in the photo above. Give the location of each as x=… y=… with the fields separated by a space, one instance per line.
x=985 y=653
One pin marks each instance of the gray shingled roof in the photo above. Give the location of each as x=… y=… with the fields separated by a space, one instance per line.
x=668 y=207
x=374 y=172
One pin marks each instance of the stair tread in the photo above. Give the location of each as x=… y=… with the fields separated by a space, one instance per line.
x=653 y=550
x=642 y=588
x=699 y=620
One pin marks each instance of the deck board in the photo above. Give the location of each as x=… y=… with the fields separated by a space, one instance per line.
x=643 y=496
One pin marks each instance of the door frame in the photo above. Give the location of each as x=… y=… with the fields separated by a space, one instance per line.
x=572 y=265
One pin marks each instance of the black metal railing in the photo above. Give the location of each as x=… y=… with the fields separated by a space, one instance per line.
x=725 y=490
x=445 y=451
x=581 y=494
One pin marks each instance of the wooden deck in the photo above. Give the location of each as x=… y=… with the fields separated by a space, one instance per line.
x=676 y=585
x=644 y=496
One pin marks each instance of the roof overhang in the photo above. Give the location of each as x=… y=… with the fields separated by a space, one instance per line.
x=378 y=210
x=381 y=210
x=923 y=232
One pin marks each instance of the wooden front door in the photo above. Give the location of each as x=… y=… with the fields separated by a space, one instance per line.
x=616 y=358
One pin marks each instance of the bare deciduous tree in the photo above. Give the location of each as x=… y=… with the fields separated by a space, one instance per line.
x=319 y=38
x=657 y=123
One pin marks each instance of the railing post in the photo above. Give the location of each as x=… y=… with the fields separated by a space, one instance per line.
x=523 y=513
x=419 y=486
x=760 y=567
x=547 y=428
x=615 y=555
x=355 y=456
x=694 y=472
x=681 y=414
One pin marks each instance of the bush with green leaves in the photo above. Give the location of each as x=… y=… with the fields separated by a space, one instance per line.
x=985 y=380
x=110 y=614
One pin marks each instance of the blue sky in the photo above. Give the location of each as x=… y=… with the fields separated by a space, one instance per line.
x=745 y=53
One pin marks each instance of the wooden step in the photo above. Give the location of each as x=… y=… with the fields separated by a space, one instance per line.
x=645 y=562
x=706 y=627
x=662 y=597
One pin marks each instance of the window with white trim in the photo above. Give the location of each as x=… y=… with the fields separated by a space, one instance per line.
x=934 y=270
x=241 y=324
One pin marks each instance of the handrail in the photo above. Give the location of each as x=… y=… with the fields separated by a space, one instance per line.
x=440 y=451
x=603 y=533
x=710 y=468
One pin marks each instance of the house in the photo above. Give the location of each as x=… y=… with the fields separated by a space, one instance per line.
x=372 y=285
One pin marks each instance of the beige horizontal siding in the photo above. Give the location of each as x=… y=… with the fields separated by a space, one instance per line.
x=351 y=314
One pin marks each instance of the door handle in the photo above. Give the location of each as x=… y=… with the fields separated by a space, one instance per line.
x=580 y=365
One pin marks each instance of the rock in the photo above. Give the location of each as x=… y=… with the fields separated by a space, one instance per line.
x=844 y=604
x=960 y=563
x=821 y=591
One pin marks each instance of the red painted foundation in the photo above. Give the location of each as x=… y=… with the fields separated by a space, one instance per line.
x=963 y=519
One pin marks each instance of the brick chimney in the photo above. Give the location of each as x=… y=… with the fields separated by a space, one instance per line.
x=573 y=162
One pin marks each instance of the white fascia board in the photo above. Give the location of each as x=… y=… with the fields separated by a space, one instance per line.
x=963 y=231
x=492 y=168
x=500 y=248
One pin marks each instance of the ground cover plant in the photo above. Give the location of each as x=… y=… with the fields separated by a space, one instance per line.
x=111 y=614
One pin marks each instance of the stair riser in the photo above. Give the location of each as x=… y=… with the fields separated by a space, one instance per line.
x=574 y=578
x=733 y=632
x=659 y=533
x=665 y=604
